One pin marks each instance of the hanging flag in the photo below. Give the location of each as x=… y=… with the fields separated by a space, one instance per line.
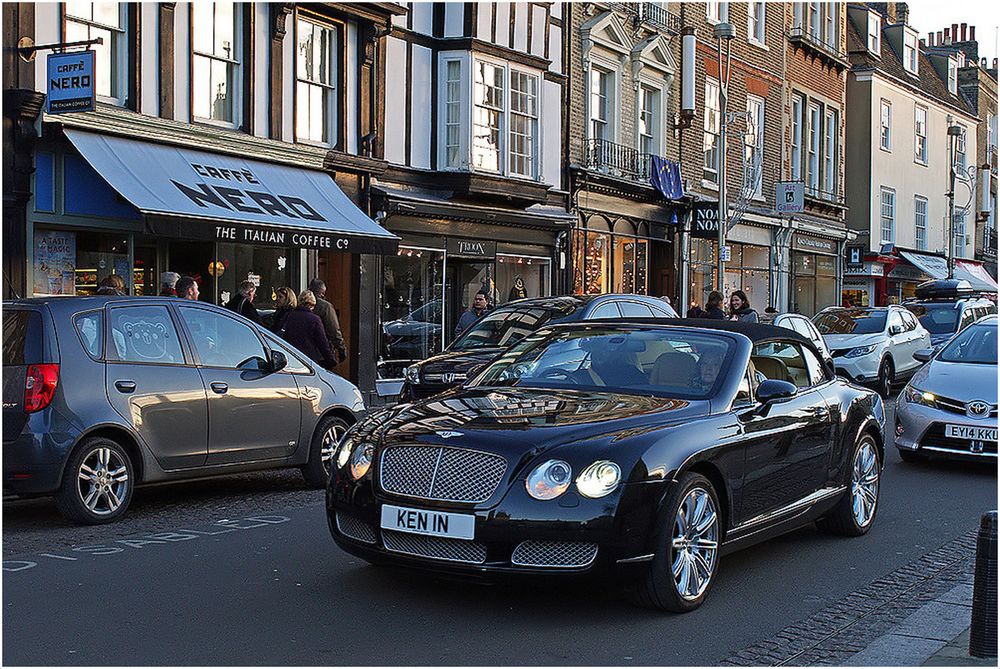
x=665 y=176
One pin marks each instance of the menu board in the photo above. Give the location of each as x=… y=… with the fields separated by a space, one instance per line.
x=55 y=262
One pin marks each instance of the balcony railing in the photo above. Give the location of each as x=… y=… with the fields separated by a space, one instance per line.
x=989 y=247
x=618 y=160
x=826 y=197
x=652 y=14
x=805 y=38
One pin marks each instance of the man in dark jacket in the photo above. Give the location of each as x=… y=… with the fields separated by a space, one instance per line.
x=480 y=305
x=242 y=302
x=304 y=330
x=327 y=314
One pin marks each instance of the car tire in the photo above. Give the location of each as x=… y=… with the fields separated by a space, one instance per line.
x=97 y=484
x=910 y=456
x=681 y=574
x=855 y=513
x=323 y=451
x=886 y=377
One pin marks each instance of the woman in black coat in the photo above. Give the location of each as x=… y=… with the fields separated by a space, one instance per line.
x=304 y=330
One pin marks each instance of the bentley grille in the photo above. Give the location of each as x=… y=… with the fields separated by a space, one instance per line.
x=441 y=473
x=355 y=528
x=436 y=548
x=554 y=554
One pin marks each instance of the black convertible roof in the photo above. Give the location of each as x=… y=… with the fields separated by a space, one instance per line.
x=755 y=332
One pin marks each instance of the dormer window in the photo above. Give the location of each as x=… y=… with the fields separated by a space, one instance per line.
x=952 y=76
x=874 y=33
x=910 y=52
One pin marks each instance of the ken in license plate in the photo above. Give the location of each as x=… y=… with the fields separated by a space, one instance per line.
x=431 y=523
x=971 y=433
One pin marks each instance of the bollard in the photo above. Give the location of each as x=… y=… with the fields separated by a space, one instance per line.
x=983 y=633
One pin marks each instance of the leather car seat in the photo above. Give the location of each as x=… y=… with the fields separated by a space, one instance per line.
x=672 y=368
x=772 y=368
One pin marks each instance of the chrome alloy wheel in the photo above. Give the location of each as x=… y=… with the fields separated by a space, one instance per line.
x=103 y=481
x=864 y=483
x=328 y=448
x=695 y=543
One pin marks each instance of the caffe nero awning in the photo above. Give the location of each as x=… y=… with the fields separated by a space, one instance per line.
x=190 y=194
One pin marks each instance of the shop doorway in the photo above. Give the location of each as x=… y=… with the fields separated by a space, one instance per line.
x=463 y=279
x=193 y=259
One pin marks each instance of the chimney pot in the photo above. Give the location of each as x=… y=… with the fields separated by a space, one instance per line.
x=972 y=33
x=954 y=32
x=947 y=36
x=965 y=28
x=940 y=38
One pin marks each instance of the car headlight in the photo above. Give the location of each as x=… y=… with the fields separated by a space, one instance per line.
x=917 y=396
x=599 y=479
x=361 y=459
x=344 y=452
x=859 y=351
x=549 y=479
x=412 y=374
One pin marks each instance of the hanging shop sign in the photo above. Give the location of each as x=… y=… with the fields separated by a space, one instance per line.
x=811 y=244
x=71 y=86
x=855 y=255
x=705 y=220
x=471 y=248
x=789 y=197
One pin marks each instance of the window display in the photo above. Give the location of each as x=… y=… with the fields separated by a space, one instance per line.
x=518 y=277
x=74 y=263
x=411 y=309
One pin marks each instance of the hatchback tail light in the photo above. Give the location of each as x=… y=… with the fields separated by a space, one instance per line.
x=40 y=386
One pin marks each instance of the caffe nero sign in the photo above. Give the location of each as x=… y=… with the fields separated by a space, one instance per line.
x=232 y=199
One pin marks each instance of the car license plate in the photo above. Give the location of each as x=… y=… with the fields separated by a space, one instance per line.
x=432 y=523
x=970 y=433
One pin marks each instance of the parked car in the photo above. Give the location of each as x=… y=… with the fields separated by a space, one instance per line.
x=945 y=307
x=101 y=394
x=507 y=325
x=949 y=407
x=804 y=326
x=646 y=447
x=873 y=345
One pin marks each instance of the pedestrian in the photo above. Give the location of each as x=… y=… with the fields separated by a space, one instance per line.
x=480 y=305
x=770 y=310
x=740 y=309
x=713 y=307
x=304 y=330
x=168 y=283
x=284 y=302
x=327 y=314
x=695 y=311
x=186 y=288
x=112 y=284
x=242 y=302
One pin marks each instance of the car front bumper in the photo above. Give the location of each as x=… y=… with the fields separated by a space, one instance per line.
x=863 y=369
x=921 y=429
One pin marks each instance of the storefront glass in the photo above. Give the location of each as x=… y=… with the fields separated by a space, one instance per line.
x=74 y=262
x=815 y=283
x=411 y=310
x=268 y=267
x=631 y=259
x=533 y=272
x=748 y=269
x=591 y=262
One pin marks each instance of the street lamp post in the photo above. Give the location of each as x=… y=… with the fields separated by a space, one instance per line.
x=954 y=132
x=723 y=32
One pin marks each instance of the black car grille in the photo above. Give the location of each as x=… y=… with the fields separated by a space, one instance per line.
x=554 y=554
x=419 y=391
x=441 y=473
x=935 y=438
x=355 y=528
x=436 y=548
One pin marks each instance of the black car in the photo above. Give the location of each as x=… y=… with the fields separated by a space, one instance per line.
x=648 y=446
x=505 y=326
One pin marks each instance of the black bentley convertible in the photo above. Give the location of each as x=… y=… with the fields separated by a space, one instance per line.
x=650 y=446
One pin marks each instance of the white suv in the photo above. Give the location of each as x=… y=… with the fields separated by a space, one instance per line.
x=873 y=345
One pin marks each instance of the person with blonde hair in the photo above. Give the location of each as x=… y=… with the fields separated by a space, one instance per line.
x=112 y=284
x=284 y=302
x=304 y=330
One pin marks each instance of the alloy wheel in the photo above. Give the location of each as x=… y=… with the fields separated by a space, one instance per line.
x=103 y=481
x=865 y=483
x=328 y=447
x=695 y=543
x=885 y=379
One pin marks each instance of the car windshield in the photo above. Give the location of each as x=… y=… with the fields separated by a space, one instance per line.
x=939 y=318
x=640 y=361
x=976 y=345
x=508 y=325
x=851 y=321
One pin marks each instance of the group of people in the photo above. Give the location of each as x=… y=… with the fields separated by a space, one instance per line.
x=739 y=308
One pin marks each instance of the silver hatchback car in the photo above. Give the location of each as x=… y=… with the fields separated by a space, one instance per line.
x=950 y=406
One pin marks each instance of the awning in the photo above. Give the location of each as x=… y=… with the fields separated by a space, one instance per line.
x=935 y=267
x=201 y=195
x=976 y=275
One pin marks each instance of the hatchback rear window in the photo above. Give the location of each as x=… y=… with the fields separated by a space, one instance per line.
x=22 y=337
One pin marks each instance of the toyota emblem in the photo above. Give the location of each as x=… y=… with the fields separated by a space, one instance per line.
x=977 y=409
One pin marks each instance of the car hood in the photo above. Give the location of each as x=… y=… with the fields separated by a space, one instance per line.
x=458 y=361
x=839 y=341
x=958 y=381
x=518 y=422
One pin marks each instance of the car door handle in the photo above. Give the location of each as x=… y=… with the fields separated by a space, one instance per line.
x=219 y=387
x=125 y=386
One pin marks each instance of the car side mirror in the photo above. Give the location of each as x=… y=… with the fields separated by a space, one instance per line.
x=774 y=390
x=895 y=329
x=924 y=354
x=278 y=361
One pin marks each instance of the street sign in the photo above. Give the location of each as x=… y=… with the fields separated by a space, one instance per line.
x=789 y=197
x=727 y=253
x=71 y=86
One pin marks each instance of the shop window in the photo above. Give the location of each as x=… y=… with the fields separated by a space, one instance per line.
x=592 y=266
x=268 y=267
x=74 y=262
x=215 y=61
x=105 y=20
x=316 y=71
x=411 y=309
x=519 y=277
x=630 y=264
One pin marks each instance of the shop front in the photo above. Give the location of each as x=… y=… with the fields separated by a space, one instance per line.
x=748 y=265
x=814 y=274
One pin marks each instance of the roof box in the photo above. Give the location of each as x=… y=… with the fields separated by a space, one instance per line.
x=939 y=289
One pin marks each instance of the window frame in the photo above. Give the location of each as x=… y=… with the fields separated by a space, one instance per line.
x=334 y=90
x=920 y=240
x=657 y=138
x=236 y=66
x=883 y=191
x=919 y=147
x=911 y=52
x=124 y=68
x=952 y=75
x=831 y=150
x=797 y=135
x=757 y=25
x=761 y=113
x=874 y=36
x=814 y=136
x=885 y=125
x=611 y=71
x=716 y=141
x=721 y=13
x=961 y=149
